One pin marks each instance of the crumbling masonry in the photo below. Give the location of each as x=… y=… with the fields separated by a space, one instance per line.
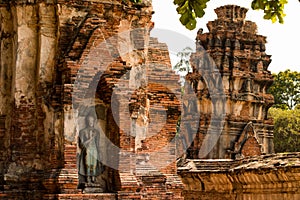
x=63 y=60
x=239 y=55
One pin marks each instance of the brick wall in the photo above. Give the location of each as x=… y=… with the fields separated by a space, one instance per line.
x=273 y=176
x=251 y=147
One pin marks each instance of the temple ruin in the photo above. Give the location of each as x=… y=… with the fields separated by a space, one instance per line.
x=90 y=108
x=242 y=163
x=238 y=54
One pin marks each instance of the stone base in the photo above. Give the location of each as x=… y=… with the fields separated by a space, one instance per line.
x=92 y=188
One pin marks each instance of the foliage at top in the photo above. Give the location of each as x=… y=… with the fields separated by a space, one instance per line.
x=286 y=89
x=273 y=9
x=192 y=9
x=189 y=11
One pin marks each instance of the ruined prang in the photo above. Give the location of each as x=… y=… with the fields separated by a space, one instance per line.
x=241 y=163
x=233 y=47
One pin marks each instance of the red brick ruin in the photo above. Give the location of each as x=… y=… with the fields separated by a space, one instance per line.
x=61 y=61
x=239 y=56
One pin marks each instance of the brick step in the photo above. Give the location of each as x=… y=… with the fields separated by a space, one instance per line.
x=98 y=196
x=214 y=164
x=146 y=170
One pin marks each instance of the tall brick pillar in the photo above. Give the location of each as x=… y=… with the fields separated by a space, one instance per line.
x=237 y=53
x=28 y=50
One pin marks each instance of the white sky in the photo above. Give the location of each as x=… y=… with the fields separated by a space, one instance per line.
x=283 y=39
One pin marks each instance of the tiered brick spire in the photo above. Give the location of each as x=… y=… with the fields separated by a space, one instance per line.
x=239 y=55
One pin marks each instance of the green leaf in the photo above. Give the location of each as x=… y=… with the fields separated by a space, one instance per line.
x=273 y=9
x=280 y=18
x=185 y=17
x=255 y=5
x=189 y=11
x=179 y=2
x=268 y=15
x=199 y=10
x=283 y=1
x=191 y=24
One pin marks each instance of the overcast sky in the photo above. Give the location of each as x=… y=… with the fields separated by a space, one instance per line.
x=283 y=39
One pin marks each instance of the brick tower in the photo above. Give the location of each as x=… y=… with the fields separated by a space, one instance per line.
x=241 y=63
x=63 y=62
